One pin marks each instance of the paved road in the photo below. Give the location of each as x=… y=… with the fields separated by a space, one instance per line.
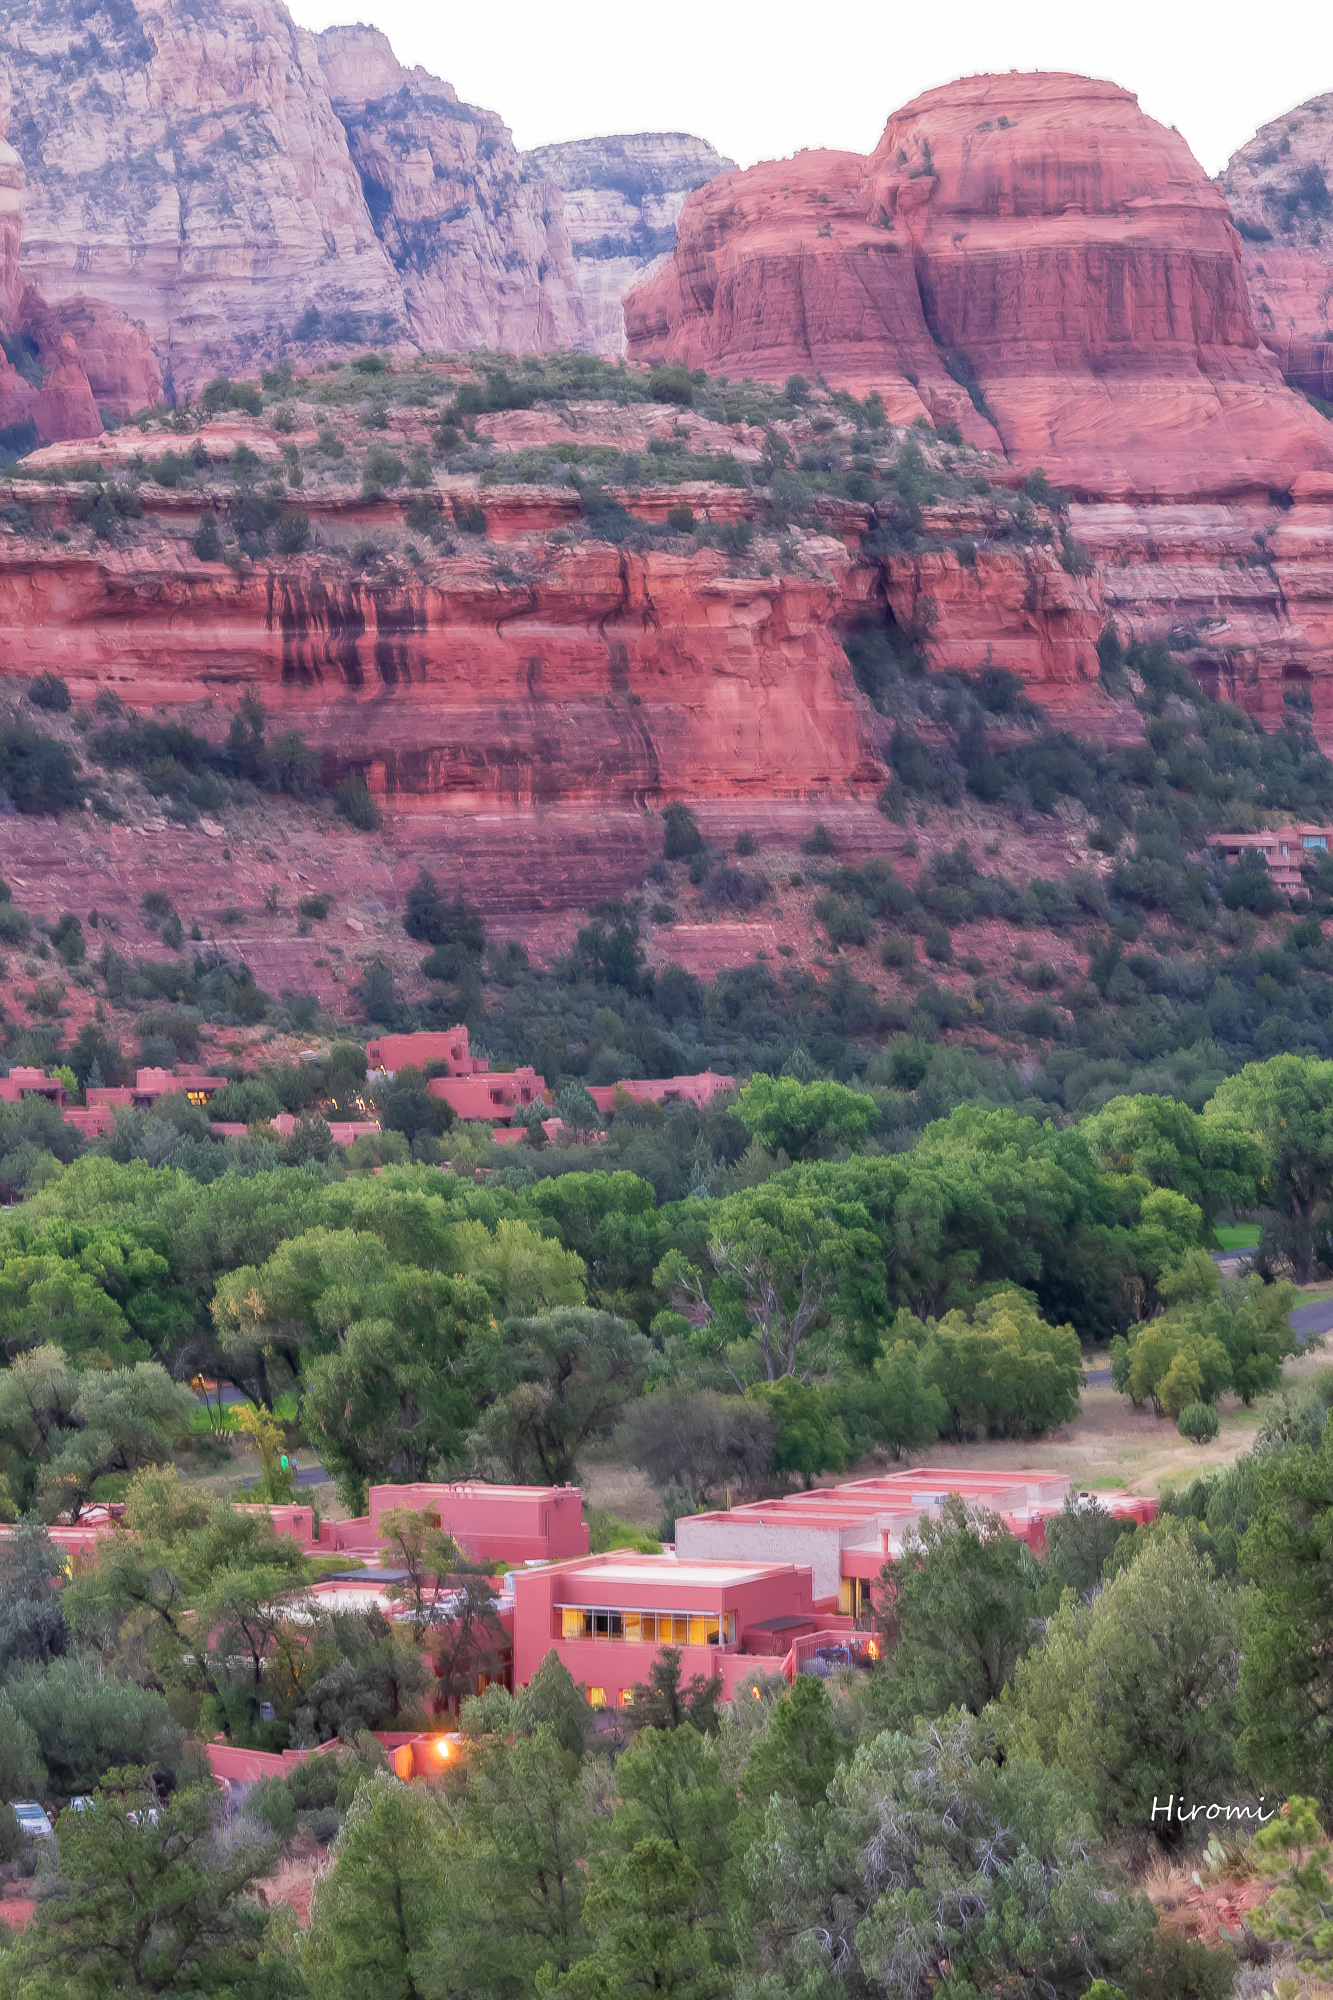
x=1314 y=1318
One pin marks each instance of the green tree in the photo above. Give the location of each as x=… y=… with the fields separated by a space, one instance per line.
x=670 y=1786
x=377 y=1913
x=554 y=1385
x=404 y=1104
x=526 y=1273
x=643 y=1936
x=797 y=1754
x=1198 y=1422
x=957 y=1613
x=805 y=1120
x=449 y=1599
x=1286 y=1683
x=32 y=1619
x=1171 y=1361
x=796 y=1277
x=21 y=1767
x=1294 y=1852
x=66 y=1428
x=1080 y=1541
x=206 y=1586
x=1286 y=1106
x=85 y=1720
x=155 y=1903
x=664 y=1701
x=941 y=1864
x=888 y=1406
x=1163 y=1141
x=698 y=1442
x=1215 y=1335
x=1134 y=1694
x=807 y=1436
x=550 y=1701
x=518 y=1917
x=1003 y=1369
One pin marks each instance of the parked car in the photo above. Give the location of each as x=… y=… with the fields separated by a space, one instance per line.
x=32 y=1818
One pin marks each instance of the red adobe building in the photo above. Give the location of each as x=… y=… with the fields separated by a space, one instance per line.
x=471 y=1086
x=846 y=1533
x=607 y=1616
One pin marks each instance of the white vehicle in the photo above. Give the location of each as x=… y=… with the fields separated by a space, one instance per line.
x=32 y=1818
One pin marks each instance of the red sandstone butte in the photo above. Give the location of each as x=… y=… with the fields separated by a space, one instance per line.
x=1050 y=242
x=779 y=270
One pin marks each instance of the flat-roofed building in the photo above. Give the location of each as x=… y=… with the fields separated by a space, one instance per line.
x=1285 y=849
x=607 y=1616
x=846 y=1533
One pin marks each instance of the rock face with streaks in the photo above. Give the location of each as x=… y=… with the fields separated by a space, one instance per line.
x=184 y=164
x=622 y=201
x=1034 y=239
x=476 y=240
x=1279 y=188
x=779 y=270
x=66 y=365
x=602 y=677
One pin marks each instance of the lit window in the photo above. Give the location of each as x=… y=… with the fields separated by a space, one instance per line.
x=627 y=1697
x=597 y=1697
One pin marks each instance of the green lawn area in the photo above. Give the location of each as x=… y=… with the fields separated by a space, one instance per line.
x=1238 y=1236
x=211 y=1418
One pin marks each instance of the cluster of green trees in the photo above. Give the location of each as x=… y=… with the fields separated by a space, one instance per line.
x=835 y=1301
x=859 y=1299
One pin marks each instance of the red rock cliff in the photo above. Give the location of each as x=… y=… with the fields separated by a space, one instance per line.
x=1041 y=240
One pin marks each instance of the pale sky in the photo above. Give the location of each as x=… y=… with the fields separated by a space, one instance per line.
x=762 y=80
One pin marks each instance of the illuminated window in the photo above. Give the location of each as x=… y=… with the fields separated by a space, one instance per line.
x=597 y=1697
x=652 y=1628
x=627 y=1697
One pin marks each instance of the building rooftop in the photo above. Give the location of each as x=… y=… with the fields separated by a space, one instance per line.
x=622 y=1566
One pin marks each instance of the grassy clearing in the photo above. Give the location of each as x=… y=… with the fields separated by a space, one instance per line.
x=207 y=1417
x=1238 y=1236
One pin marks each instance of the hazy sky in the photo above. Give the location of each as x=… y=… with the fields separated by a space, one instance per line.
x=762 y=80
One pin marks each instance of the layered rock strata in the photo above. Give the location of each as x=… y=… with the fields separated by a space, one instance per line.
x=576 y=675
x=622 y=200
x=185 y=165
x=1034 y=239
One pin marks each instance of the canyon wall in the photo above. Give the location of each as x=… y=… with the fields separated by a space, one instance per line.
x=622 y=200
x=67 y=366
x=599 y=675
x=1034 y=240
x=192 y=168
x=1278 y=189
x=185 y=165
x=476 y=240
x=535 y=673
